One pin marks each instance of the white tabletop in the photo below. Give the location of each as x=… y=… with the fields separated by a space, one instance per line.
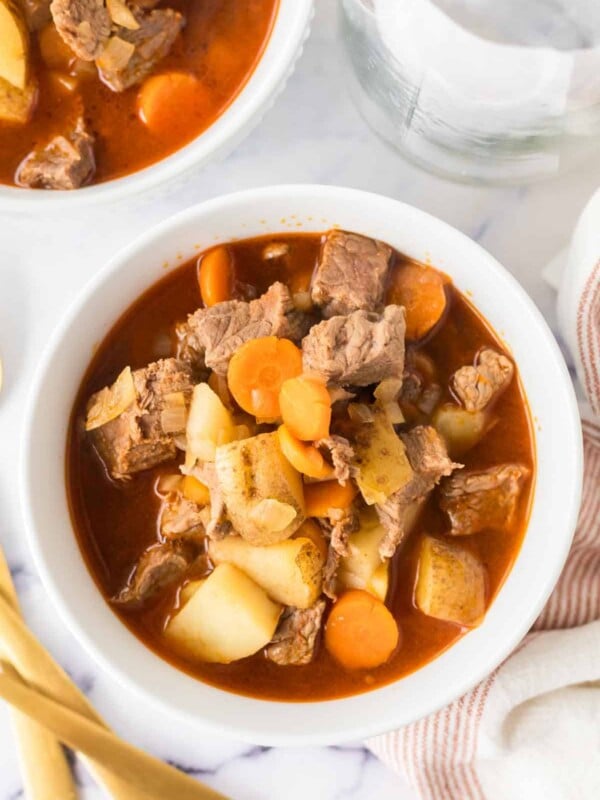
x=313 y=134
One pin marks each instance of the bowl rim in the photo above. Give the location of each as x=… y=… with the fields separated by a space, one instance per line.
x=511 y=631
x=290 y=29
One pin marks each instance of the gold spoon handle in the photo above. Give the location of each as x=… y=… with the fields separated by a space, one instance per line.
x=44 y=767
x=90 y=738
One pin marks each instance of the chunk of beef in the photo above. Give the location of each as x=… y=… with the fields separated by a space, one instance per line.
x=478 y=385
x=351 y=274
x=180 y=517
x=296 y=636
x=65 y=162
x=152 y=41
x=135 y=440
x=417 y=394
x=341 y=454
x=37 y=14
x=159 y=566
x=483 y=500
x=84 y=25
x=212 y=335
x=429 y=460
x=360 y=349
x=338 y=526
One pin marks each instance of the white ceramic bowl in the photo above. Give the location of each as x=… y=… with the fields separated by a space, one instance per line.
x=290 y=30
x=556 y=430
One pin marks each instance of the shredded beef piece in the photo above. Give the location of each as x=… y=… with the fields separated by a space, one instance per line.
x=296 y=636
x=482 y=500
x=135 y=440
x=212 y=335
x=341 y=454
x=65 y=162
x=84 y=25
x=360 y=349
x=429 y=460
x=153 y=40
x=351 y=274
x=158 y=567
x=219 y=526
x=477 y=386
x=180 y=517
x=338 y=526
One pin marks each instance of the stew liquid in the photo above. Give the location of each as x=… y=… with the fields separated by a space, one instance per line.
x=115 y=523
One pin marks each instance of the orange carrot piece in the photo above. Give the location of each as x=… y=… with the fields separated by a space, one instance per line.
x=306 y=407
x=310 y=530
x=320 y=497
x=422 y=292
x=215 y=276
x=361 y=633
x=170 y=103
x=257 y=371
x=303 y=457
x=53 y=50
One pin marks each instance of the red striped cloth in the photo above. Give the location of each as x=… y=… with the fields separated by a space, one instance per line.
x=515 y=726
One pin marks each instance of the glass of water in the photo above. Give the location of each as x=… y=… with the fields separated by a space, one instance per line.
x=501 y=91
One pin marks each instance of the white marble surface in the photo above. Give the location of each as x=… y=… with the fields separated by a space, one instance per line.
x=313 y=134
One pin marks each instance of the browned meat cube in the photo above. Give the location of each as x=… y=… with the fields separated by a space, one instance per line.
x=66 y=162
x=351 y=274
x=37 y=14
x=359 y=349
x=429 y=460
x=83 y=24
x=477 y=386
x=212 y=335
x=296 y=636
x=151 y=42
x=485 y=500
x=180 y=517
x=135 y=440
x=159 y=566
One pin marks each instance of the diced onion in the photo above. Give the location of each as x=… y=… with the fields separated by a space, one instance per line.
x=360 y=412
x=273 y=514
x=388 y=390
x=116 y=55
x=121 y=15
x=337 y=394
x=275 y=250
x=393 y=412
x=173 y=417
x=169 y=483
x=111 y=401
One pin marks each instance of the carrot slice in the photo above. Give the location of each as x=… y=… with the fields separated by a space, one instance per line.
x=215 y=276
x=422 y=292
x=320 y=497
x=170 y=104
x=361 y=632
x=304 y=457
x=310 y=530
x=257 y=371
x=306 y=407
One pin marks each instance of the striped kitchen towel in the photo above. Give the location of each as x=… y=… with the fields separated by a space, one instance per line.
x=532 y=728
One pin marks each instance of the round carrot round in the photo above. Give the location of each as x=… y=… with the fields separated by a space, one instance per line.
x=306 y=407
x=320 y=497
x=422 y=292
x=361 y=632
x=215 y=276
x=303 y=457
x=170 y=104
x=257 y=371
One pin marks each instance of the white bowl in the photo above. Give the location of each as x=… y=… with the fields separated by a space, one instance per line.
x=290 y=30
x=556 y=431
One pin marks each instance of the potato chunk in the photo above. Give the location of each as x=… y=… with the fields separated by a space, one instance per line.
x=290 y=572
x=251 y=472
x=17 y=105
x=450 y=583
x=381 y=461
x=460 y=429
x=363 y=567
x=209 y=424
x=14 y=45
x=227 y=617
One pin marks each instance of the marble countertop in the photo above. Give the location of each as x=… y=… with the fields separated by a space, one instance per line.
x=312 y=134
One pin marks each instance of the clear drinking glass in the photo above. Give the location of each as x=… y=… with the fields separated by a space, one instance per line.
x=479 y=90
